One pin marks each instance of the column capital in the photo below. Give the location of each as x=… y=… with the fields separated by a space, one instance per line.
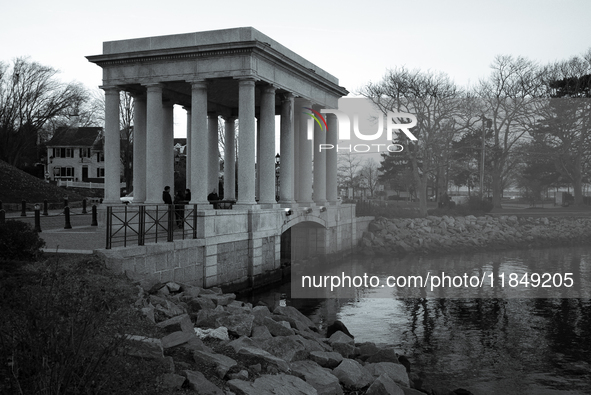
x=112 y=89
x=187 y=108
x=246 y=80
x=267 y=89
x=230 y=118
x=154 y=87
x=198 y=84
x=286 y=96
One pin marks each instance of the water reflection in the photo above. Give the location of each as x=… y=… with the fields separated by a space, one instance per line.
x=488 y=345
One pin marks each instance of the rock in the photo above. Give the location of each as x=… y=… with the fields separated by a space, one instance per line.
x=261 y=333
x=384 y=385
x=395 y=371
x=179 y=323
x=384 y=355
x=221 y=362
x=218 y=333
x=260 y=312
x=199 y=383
x=242 y=375
x=342 y=344
x=172 y=381
x=325 y=383
x=411 y=391
x=295 y=314
x=237 y=324
x=199 y=303
x=276 y=328
x=220 y=299
x=144 y=347
x=309 y=345
x=242 y=342
x=405 y=362
x=326 y=359
x=261 y=355
x=196 y=344
x=366 y=350
x=176 y=338
x=285 y=348
x=148 y=311
x=209 y=318
x=270 y=384
x=352 y=374
x=173 y=287
x=338 y=326
x=170 y=310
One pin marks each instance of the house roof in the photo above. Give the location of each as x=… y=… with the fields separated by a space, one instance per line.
x=74 y=137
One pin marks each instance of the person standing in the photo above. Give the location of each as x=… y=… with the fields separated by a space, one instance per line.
x=166 y=198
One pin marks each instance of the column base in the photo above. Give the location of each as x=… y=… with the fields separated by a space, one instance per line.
x=269 y=205
x=288 y=204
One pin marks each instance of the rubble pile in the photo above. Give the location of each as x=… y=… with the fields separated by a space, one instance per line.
x=453 y=234
x=214 y=344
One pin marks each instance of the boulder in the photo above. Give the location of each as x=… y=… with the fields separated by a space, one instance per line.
x=172 y=381
x=237 y=324
x=199 y=383
x=384 y=385
x=217 y=333
x=260 y=312
x=144 y=347
x=221 y=362
x=276 y=328
x=342 y=344
x=384 y=355
x=395 y=371
x=179 y=323
x=220 y=299
x=261 y=333
x=338 y=326
x=325 y=382
x=261 y=356
x=285 y=348
x=176 y=338
x=352 y=374
x=326 y=359
x=270 y=384
x=295 y=314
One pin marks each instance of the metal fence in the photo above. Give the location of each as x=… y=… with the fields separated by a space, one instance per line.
x=137 y=225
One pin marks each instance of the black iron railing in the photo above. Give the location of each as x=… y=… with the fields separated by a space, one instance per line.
x=140 y=224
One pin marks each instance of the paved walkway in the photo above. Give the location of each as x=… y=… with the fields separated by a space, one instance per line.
x=81 y=239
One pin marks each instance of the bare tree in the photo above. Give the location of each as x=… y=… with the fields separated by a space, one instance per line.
x=434 y=100
x=509 y=97
x=348 y=171
x=370 y=175
x=30 y=97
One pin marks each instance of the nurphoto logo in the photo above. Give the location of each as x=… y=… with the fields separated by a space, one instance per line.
x=395 y=122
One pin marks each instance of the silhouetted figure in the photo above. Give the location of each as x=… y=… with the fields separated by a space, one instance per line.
x=338 y=326
x=179 y=208
x=187 y=195
x=213 y=196
x=166 y=198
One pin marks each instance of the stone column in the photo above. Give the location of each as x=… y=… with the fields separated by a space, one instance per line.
x=332 y=137
x=305 y=157
x=139 y=148
x=199 y=146
x=188 y=150
x=213 y=153
x=257 y=172
x=154 y=149
x=297 y=110
x=286 y=148
x=230 y=160
x=246 y=144
x=319 y=164
x=266 y=154
x=168 y=146
x=112 y=146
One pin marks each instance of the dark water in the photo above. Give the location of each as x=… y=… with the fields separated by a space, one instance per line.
x=490 y=345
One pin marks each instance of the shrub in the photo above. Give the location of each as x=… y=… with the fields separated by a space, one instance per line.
x=18 y=241
x=473 y=206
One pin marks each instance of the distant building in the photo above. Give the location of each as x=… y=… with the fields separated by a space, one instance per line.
x=76 y=154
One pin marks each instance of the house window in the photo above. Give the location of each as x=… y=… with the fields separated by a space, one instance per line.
x=100 y=156
x=63 y=152
x=100 y=172
x=63 y=171
x=85 y=152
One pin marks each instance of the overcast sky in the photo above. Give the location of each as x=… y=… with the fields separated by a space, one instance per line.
x=356 y=41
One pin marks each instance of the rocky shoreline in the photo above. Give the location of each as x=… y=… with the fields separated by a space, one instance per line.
x=214 y=344
x=455 y=234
